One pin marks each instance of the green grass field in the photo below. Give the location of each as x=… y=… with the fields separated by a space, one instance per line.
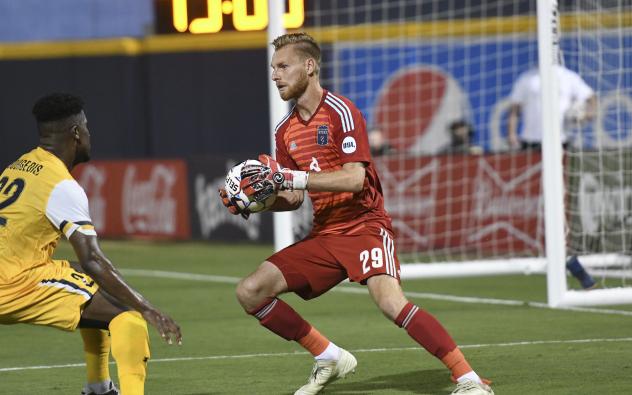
x=522 y=348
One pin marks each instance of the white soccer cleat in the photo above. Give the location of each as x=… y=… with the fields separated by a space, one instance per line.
x=472 y=388
x=327 y=371
x=112 y=390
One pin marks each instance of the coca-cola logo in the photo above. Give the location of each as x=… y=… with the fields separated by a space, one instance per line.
x=212 y=213
x=92 y=180
x=149 y=206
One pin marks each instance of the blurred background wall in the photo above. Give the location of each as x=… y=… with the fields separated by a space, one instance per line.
x=45 y=20
x=163 y=105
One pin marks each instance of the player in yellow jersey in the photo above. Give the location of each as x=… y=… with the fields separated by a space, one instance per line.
x=40 y=201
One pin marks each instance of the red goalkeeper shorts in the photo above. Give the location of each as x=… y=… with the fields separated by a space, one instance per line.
x=314 y=265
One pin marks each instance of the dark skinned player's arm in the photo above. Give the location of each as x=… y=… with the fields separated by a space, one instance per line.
x=94 y=263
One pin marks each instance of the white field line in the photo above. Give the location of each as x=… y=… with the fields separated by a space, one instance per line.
x=357 y=351
x=363 y=290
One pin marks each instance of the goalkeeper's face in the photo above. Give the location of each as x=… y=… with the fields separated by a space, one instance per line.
x=289 y=72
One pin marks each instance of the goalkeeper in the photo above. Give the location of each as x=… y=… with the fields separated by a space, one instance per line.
x=322 y=147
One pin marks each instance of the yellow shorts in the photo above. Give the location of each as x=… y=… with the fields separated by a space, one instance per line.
x=56 y=299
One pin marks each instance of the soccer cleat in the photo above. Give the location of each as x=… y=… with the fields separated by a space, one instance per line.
x=578 y=271
x=472 y=388
x=112 y=391
x=328 y=371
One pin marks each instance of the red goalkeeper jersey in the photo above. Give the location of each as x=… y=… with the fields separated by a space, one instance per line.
x=334 y=135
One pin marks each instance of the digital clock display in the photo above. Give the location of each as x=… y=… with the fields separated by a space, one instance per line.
x=213 y=16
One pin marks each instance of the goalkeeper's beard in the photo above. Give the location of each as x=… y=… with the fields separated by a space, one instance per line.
x=296 y=90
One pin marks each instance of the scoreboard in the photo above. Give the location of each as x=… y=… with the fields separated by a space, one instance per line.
x=214 y=16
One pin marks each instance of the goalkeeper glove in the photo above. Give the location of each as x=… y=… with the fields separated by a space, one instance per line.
x=231 y=204
x=260 y=183
x=284 y=179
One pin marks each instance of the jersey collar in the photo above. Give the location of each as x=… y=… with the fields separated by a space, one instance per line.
x=322 y=100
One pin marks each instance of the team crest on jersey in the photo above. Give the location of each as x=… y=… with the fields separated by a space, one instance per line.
x=322 y=135
x=293 y=145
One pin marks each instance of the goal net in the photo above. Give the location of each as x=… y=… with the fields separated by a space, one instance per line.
x=434 y=80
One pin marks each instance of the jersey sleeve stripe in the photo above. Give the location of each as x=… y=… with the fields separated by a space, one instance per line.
x=345 y=108
x=341 y=111
x=87 y=232
x=70 y=229
x=85 y=227
x=63 y=225
x=343 y=119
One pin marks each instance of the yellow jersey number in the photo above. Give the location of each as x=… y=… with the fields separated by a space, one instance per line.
x=12 y=190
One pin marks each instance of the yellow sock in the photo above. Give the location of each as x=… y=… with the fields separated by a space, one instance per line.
x=96 y=344
x=130 y=349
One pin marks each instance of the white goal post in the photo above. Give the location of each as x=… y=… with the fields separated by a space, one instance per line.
x=283 y=235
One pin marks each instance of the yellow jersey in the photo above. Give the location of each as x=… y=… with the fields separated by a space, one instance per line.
x=39 y=201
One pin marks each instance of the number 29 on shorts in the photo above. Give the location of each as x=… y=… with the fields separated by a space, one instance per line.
x=371 y=259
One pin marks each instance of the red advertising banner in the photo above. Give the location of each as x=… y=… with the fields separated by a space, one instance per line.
x=140 y=198
x=486 y=205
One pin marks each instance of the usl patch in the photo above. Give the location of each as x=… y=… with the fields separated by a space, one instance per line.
x=348 y=145
x=322 y=135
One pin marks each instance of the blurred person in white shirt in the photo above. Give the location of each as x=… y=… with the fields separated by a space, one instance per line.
x=577 y=104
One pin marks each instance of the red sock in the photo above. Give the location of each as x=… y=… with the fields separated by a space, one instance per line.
x=280 y=318
x=425 y=330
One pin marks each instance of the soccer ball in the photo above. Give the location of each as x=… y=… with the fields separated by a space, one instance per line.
x=233 y=189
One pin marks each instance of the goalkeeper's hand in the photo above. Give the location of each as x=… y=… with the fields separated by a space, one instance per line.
x=259 y=185
x=231 y=204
